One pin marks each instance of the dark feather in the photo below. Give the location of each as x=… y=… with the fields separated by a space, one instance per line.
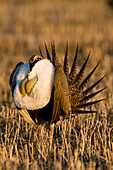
x=53 y=53
x=84 y=111
x=73 y=68
x=86 y=98
x=80 y=74
x=66 y=62
x=88 y=104
x=47 y=52
x=84 y=82
x=91 y=87
x=41 y=52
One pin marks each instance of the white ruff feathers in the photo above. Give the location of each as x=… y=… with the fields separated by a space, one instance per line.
x=41 y=92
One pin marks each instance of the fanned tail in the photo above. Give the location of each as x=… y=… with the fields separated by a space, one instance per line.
x=78 y=96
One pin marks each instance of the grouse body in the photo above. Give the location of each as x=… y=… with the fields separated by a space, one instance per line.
x=43 y=88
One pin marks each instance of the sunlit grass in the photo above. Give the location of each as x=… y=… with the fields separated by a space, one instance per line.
x=83 y=141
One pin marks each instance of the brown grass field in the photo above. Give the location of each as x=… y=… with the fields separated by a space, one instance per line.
x=84 y=141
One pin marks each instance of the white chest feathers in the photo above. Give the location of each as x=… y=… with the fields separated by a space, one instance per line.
x=41 y=92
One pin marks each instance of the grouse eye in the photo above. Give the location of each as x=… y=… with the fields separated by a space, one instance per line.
x=32 y=59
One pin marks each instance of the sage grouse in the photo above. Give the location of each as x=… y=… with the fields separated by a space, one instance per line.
x=44 y=89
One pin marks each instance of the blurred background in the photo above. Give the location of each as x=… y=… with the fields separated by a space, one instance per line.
x=27 y=24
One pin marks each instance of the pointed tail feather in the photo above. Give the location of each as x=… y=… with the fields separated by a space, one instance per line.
x=41 y=52
x=88 y=104
x=47 y=52
x=84 y=111
x=53 y=53
x=84 y=82
x=86 y=98
x=80 y=74
x=66 y=62
x=91 y=87
x=73 y=68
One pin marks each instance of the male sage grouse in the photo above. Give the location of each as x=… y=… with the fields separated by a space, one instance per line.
x=43 y=89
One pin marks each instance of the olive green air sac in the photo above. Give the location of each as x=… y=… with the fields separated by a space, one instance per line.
x=30 y=84
x=22 y=87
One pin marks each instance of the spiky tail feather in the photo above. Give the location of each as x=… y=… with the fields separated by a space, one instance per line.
x=74 y=65
x=66 y=62
x=41 y=52
x=47 y=52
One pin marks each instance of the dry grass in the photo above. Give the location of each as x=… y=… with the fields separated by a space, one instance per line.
x=78 y=143
x=83 y=141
